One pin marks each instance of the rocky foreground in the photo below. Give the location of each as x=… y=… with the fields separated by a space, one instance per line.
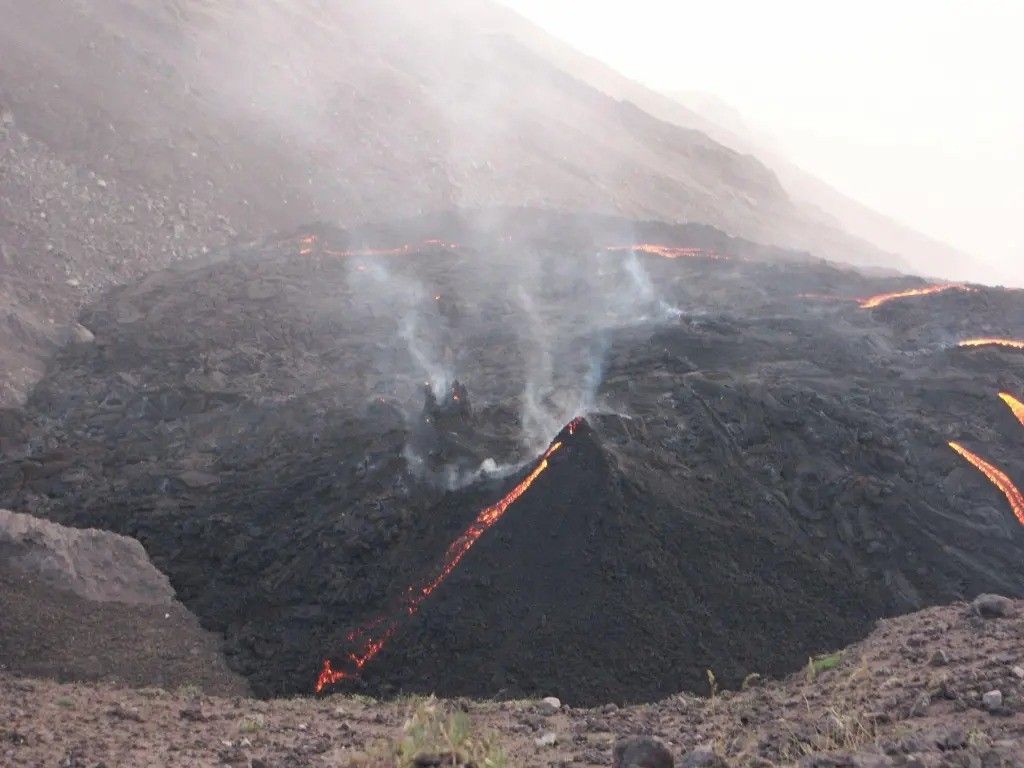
x=943 y=687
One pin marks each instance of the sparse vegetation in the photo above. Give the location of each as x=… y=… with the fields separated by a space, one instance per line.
x=841 y=728
x=751 y=681
x=712 y=684
x=251 y=724
x=190 y=691
x=448 y=736
x=818 y=664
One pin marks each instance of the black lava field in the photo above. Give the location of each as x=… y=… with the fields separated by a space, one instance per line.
x=304 y=431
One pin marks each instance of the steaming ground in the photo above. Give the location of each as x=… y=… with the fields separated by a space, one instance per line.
x=139 y=133
x=762 y=474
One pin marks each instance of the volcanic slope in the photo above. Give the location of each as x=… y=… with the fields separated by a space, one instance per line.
x=763 y=469
x=138 y=133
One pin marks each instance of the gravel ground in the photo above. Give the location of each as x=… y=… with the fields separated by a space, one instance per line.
x=919 y=691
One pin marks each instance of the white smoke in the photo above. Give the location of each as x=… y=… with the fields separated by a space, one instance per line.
x=565 y=349
x=419 y=322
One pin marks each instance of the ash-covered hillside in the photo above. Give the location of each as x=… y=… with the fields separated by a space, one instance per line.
x=138 y=133
x=332 y=443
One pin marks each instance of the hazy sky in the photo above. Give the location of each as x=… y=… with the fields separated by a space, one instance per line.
x=914 y=107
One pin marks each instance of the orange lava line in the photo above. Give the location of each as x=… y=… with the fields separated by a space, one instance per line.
x=484 y=522
x=372 y=644
x=1011 y=343
x=876 y=301
x=1015 y=405
x=307 y=245
x=997 y=477
x=668 y=251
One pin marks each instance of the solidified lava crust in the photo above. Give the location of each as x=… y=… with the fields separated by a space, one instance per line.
x=761 y=476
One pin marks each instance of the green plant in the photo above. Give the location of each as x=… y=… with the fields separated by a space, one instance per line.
x=712 y=683
x=447 y=737
x=818 y=664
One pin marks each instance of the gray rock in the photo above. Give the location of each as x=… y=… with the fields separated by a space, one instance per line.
x=939 y=659
x=1018 y=672
x=549 y=705
x=992 y=606
x=194 y=479
x=992 y=700
x=549 y=739
x=82 y=335
x=95 y=565
x=642 y=752
x=871 y=760
x=948 y=739
x=846 y=760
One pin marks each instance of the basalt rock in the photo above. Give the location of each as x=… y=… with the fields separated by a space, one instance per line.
x=761 y=474
x=643 y=752
x=992 y=606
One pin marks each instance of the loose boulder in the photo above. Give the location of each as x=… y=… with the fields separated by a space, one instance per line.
x=992 y=606
x=641 y=752
x=96 y=565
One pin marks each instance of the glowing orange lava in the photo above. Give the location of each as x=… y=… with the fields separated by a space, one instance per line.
x=668 y=251
x=1011 y=343
x=308 y=243
x=997 y=477
x=876 y=301
x=1015 y=405
x=374 y=635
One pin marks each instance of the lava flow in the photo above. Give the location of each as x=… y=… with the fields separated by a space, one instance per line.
x=667 y=251
x=997 y=477
x=876 y=301
x=374 y=635
x=307 y=245
x=1015 y=405
x=1011 y=343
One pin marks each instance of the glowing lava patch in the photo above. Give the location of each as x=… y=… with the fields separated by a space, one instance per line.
x=308 y=245
x=1010 y=343
x=370 y=638
x=883 y=298
x=667 y=251
x=1015 y=405
x=997 y=477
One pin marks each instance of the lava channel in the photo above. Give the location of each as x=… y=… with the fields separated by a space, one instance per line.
x=1010 y=343
x=668 y=251
x=370 y=638
x=1015 y=405
x=883 y=298
x=997 y=477
x=308 y=244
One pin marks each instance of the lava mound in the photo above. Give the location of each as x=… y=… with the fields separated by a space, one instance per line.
x=353 y=446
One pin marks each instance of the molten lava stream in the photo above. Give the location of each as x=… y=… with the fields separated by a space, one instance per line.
x=1011 y=343
x=1015 y=405
x=997 y=477
x=876 y=301
x=308 y=243
x=667 y=251
x=375 y=634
